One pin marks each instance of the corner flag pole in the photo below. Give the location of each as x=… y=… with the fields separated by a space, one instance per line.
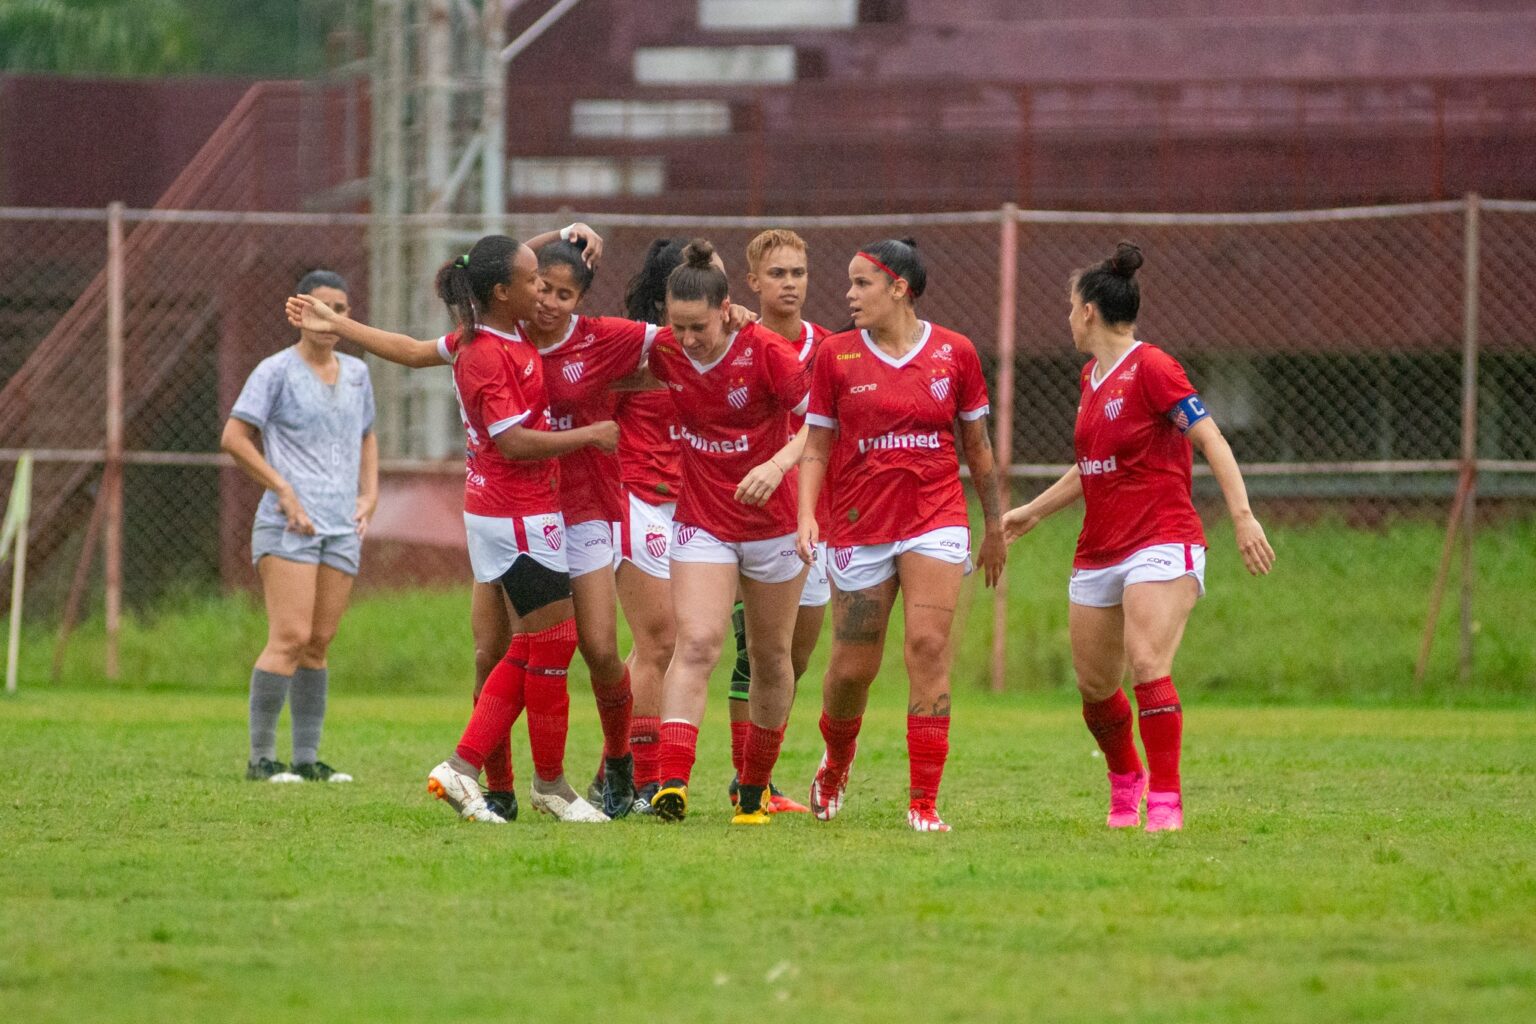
x=13 y=538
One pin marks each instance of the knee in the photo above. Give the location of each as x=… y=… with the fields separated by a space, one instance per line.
x=769 y=659
x=928 y=650
x=1146 y=661
x=603 y=663
x=317 y=644
x=696 y=650
x=289 y=642
x=851 y=670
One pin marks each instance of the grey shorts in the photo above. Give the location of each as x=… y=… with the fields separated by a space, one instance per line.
x=340 y=551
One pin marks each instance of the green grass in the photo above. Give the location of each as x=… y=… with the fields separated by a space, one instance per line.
x=1339 y=621
x=1340 y=864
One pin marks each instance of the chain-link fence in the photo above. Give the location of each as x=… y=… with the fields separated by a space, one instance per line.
x=1361 y=361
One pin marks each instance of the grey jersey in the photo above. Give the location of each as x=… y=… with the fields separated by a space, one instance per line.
x=311 y=433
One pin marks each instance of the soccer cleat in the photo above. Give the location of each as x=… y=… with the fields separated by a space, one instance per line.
x=1126 y=790
x=922 y=816
x=752 y=808
x=644 y=797
x=827 y=792
x=757 y=817
x=1165 y=812
x=618 y=785
x=462 y=793
x=734 y=792
x=319 y=771
x=268 y=770
x=671 y=801
x=562 y=804
x=502 y=802
x=778 y=803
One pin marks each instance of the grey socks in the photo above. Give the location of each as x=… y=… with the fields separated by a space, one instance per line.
x=308 y=709
x=268 y=691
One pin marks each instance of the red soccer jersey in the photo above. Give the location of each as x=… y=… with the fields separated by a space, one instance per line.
x=595 y=352
x=499 y=381
x=650 y=459
x=1135 y=461
x=734 y=414
x=811 y=338
x=894 y=461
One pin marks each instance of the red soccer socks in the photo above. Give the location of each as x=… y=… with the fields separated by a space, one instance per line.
x=549 y=703
x=1161 y=721
x=679 y=745
x=645 y=742
x=927 y=750
x=497 y=707
x=761 y=754
x=615 y=706
x=1110 y=722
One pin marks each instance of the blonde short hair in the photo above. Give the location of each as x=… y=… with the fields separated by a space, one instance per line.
x=770 y=240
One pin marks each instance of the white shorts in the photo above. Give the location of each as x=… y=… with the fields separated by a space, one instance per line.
x=868 y=565
x=645 y=537
x=767 y=561
x=1103 y=588
x=592 y=546
x=496 y=541
x=818 y=590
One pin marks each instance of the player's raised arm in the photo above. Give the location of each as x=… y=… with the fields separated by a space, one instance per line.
x=307 y=313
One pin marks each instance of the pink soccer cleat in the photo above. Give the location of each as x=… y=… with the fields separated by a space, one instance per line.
x=1165 y=812
x=922 y=816
x=1126 y=790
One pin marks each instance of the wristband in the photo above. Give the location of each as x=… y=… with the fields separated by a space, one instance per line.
x=566 y=232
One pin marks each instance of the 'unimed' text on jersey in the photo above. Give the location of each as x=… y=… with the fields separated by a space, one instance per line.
x=894 y=464
x=499 y=381
x=733 y=415
x=1134 y=459
x=578 y=370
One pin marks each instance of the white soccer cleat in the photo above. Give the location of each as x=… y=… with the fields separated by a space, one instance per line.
x=462 y=793
x=285 y=777
x=563 y=808
x=827 y=792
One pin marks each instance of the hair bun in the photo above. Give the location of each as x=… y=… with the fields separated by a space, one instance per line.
x=699 y=253
x=1126 y=260
x=909 y=242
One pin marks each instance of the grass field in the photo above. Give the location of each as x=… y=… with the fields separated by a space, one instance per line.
x=1340 y=864
x=1358 y=849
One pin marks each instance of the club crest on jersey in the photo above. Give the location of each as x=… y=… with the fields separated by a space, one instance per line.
x=552 y=535
x=1113 y=408
x=656 y=541
x=572 y=371
x=939 y=386
x=841 y=557
x=737 y=397
x=685 y=534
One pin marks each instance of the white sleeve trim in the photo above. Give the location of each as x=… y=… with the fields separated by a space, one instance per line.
x=442 y=350
x=502 y=426
x=976 y=414
x=651 y=330
x=802 y=405
x=817 y=420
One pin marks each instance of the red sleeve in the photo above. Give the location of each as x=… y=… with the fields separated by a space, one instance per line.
x=621 y=345
x=1163 y=381
x=972 y=384
x=789 y=380
x=660 y=355
x=490 y=385
x=822 y=408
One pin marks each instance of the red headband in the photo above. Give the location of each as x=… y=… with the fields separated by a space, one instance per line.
x=894 y=276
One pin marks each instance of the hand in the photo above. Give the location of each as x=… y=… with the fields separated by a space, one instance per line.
x=758 y=486
x=993 y=556
x=1017 y=522
x=1258 y=556
x=739 y=317
x=363 y=515
x=604 y=436
x=806 y=540
x=310 y=314
x=293 y=511
x=594 y=242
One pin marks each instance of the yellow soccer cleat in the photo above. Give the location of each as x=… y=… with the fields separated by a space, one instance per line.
x=671 y=801
x=757 y=817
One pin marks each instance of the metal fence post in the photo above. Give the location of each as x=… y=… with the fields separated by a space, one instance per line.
x=1007 y=319
x=1469 y=381
x=112 y=476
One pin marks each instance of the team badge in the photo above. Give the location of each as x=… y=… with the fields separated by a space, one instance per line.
x=1113 y=408
x=939 y=386
x=685 y=534
x=841 y=557
x=737 y=397
x=572 y=371
x=656 y=541
x=552 y=535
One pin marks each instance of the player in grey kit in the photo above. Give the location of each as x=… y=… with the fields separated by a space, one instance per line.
x=318 y=459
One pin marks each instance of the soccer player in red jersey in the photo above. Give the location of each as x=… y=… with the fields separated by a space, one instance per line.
x=734 y=525
x=778 y=272
x=1140 y=563
x=887 y=401
x=512 y=513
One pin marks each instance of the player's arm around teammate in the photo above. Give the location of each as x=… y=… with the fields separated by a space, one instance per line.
x=312 y=412
x=1140 y=561
x=884 y=403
